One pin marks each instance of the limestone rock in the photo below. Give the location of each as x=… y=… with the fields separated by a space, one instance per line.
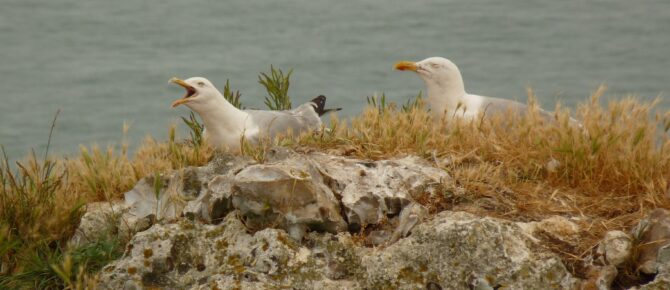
x=152 y=196
x=214 y=202
x=410 y=216
x=101 y=219
x=653 y=234
x=660 y=282
x=297 y=192
x=616 y=248
x=289 y=194
x=606 y=276
x=185 y=192
x=212 y=183
x=372 y=191
x=106 y=220
x=599 y=278
x=556 y=228
x=192 y=255
x=456 y=248
x=395 y=228
x=236 y=224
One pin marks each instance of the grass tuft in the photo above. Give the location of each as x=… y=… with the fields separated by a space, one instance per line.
x=196 y=129
x=233 y=97
x=607 y=174
x=276 y=84
x=41 y=205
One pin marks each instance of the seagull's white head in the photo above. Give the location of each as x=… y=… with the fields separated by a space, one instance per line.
x=435 y=71
x=200 y=92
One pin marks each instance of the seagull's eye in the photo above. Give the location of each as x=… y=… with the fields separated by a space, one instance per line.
x=435 y=65
x=201 y=84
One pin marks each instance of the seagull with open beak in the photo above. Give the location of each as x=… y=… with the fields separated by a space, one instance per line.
x=226 y=125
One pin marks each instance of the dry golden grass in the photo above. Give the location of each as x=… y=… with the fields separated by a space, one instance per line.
x=612 y=171
x=41 y=204
x=97 y=175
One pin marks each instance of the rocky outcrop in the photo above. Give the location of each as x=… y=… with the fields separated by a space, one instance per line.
x=294 y=192
x=457 y=250
x=289 y=194
x=643 y=252
x=307 y=221
x=101 y=220
x=191 y=255
x=653 y=248
x=653 y=234
x=454 y=250
x=372 y=191
x=187 y=192
x=615 y=248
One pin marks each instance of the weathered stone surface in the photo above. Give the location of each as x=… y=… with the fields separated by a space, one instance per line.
x=150 y=196
x=101 y=219
x=608 y=257
x=409 y=217
x=104 y=220
x=397 y=227
x=372 y=191
x=653 y=234
x=212 y=188
x=456 y=248
x=660 y=282
x=653 y=245
x=599 y=278
x=191 y=255
x=615 y=248
x=236 y=224
x=296 y=192
x=556 y=228
x=288 y=194
x=185 y=192
x=606 y=276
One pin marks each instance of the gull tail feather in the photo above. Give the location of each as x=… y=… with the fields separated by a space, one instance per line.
x=319 y=104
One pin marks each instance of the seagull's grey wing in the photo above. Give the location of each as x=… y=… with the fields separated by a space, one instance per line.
x=312 y=111
x=502 y=106
x=306 y=109
x=272 y=123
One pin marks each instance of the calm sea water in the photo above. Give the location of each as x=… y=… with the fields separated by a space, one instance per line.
x=104 y=63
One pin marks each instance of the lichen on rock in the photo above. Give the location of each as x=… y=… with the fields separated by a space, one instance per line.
x=313 y=220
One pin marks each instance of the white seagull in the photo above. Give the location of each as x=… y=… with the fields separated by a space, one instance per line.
x=447 y=95
x=225 y=124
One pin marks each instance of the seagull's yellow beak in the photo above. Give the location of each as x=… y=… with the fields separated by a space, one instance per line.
x=190 y=91
x=406 y=65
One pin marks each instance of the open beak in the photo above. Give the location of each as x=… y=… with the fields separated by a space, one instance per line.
x=406 y=65
x=190 y=92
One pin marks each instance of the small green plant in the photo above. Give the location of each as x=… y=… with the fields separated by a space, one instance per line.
x=36 y=272
x=255 y=151
x=49 y=267
x=26 y=196
x=413 y=103
x=158 y=186
x=383 y=105
x=276 y=84
x=378 y=102
x=196 y=128
x=41 y=203
x=233 y=97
